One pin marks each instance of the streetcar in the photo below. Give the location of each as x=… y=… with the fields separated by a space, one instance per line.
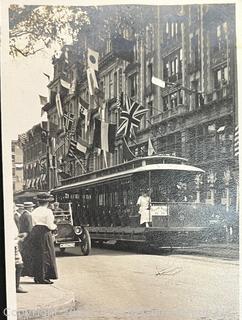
x=106 y=202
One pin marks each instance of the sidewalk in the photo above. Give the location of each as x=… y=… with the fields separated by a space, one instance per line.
x=219 y=250
x=43 y=301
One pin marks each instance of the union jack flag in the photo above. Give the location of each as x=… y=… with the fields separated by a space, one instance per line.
x=68 y=120
x=131 y=117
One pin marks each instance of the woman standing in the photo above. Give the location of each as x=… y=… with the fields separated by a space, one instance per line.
x=40 y=243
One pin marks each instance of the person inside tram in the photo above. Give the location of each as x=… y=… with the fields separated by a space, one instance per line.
x=143 y=203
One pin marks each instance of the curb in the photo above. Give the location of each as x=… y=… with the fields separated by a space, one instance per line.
x=52 y=309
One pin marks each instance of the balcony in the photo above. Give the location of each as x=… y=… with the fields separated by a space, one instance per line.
x=181 y=109
x=218 y=94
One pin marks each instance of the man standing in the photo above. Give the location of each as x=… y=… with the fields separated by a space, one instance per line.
x=25 y=220
x=18 y=210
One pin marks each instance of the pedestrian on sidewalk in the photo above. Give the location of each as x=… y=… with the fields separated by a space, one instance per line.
x=18 y=210
x=25 y=220
x=39 y=244
x=18 y=258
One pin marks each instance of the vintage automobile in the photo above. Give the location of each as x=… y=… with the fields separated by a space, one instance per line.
x=67 y=235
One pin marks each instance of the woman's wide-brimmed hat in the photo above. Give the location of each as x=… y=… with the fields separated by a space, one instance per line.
x=44 y=197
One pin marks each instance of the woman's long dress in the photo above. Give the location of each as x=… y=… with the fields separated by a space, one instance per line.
x=38 y=251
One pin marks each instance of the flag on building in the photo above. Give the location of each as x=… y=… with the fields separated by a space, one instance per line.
x=127 y=153
x=92 y=81
x=68 y=120
x=65 y=84
x=43 y=100
x=131 y=117
x=236 y=141
x=83 y=117
x=151 y=149
x=59 y=105
x=119 y=103
x=44 y=135
x=104 y=135
x=92 y=59
x=76 y=147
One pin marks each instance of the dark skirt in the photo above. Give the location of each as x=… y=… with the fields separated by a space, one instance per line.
x=39 y=254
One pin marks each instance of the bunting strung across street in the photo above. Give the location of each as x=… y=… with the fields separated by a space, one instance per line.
x=59 y=105
x=68 y=120
x=131 y=117
x=104 y=135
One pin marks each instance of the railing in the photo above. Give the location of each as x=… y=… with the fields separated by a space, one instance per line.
x=180 y=109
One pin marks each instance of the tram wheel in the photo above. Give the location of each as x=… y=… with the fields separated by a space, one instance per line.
x=86 y=242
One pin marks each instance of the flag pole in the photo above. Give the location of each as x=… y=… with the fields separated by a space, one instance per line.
x=79 y=161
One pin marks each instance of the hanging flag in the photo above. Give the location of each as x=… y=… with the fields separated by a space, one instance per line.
x=104 y=135
x=158 y=82
x=83 y=118
x=92 y=81
x=44 y=135
x=127 y=153
x=43 y=100
x=92 y=59
x=236 y=141
x=119 y=103
x=68 y=120
x=59 y=105
x=65 y=84
x=131 y=117
x=151 y=149
x=76 y=147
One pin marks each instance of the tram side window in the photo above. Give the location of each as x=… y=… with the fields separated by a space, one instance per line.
x=101 y=199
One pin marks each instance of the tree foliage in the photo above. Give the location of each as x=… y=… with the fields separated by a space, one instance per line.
x=33 y=28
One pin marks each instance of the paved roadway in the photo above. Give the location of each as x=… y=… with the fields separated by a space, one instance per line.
x=121 y=285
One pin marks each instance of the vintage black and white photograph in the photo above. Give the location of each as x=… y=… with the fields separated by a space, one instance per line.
x=120 y=130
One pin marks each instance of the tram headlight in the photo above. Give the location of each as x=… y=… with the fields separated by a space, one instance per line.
x=78 y=230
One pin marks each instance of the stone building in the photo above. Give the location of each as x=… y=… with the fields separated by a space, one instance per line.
x=17 y=167
x=35 y=162
x=191 y=48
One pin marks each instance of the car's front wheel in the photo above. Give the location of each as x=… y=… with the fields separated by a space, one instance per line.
x=85 y=242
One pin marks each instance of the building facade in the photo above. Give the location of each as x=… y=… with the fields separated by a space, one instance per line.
x=35 y=161
x=17 y=167
x=192 y=49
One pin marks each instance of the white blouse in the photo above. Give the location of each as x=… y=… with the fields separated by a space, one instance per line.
x=43 y=217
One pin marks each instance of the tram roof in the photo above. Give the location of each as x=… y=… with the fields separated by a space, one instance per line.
x=130 y=172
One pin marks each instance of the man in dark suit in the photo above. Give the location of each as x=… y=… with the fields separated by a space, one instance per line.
x=25 y=220
x=18 y=210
